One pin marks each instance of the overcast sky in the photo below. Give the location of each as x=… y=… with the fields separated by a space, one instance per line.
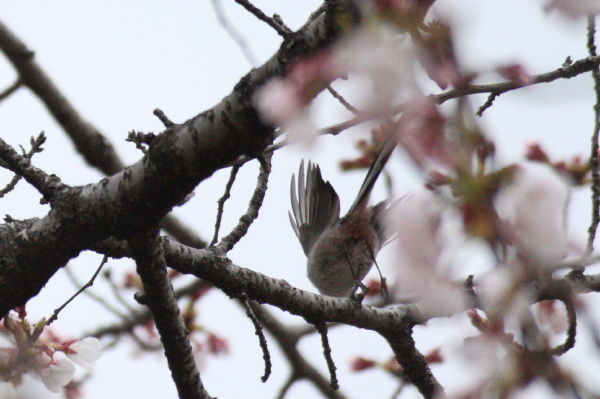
x=118 y=61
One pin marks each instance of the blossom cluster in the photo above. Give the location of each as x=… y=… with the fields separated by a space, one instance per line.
x=53 y=363
x=514 y=214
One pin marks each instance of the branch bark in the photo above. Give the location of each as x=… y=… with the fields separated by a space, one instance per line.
x=138 y=197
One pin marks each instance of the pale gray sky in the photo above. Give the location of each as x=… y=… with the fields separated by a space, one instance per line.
x=118 y=61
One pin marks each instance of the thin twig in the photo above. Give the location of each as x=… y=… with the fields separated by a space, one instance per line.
x=261 y=338
x=36 y=146
x=229 y=241
x=163 y=118
x=287 y=337
x=564 y=72
x=282 y=30
x=47 y=185
x=342 y=100
x=11 y=89
x=488 y=103
x=591 y=32
x=139 y=317
x=322 y=329
x=116 y=290
x=286 y=386
x=571 y=330
x=233 y=33
x=398 y=390
x=86 y=286
x=90 y=294
x=221 y=202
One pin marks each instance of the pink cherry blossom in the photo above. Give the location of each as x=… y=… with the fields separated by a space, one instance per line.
x=385 y=59
x=516 y=73
x=283 y=100
x=574 y=8
x=12 y=322
x=421 y=133
x=56 y=372
x=417 y=224
x=533 y=207
x=85 y=352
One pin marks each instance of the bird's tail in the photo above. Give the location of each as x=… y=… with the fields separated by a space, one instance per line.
x=374 y=171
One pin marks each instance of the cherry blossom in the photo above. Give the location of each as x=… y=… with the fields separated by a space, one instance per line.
x=420 y=132
x=533 y=207
x=385 y=59
x=53 y=363
x=283 y=101
x=55 y=372
x=84 y=353
x=419 y=246
x=574 y=8
x=516 y=73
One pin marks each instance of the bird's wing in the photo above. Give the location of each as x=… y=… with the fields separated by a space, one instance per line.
x=315 y=206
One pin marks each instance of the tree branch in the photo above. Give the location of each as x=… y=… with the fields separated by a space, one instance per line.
x=160 y=298
x=95 y=148
x=138 y=197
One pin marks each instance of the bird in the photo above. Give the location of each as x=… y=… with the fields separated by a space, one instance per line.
x=340 y=251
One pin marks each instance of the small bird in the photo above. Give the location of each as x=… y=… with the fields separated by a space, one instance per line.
x=340 y=251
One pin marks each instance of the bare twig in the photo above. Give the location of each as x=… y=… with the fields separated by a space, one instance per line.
x=11 y=89
x=47 y=185
x=287 y=338
x=36 y=146
x=591 y=32
x=234 y=33
x=286 y=386
x=571 y=330
x=261 y=338
x=398 y=390
x=90 y=294
x=322 y=329
x=137 y=317
x=342 y=100
x=116 y=290
x=163 y=118
x=566 y=72
x=488 y=103
x=221 y=202
x=229 y=241
x=281 y=29
x=83 y=288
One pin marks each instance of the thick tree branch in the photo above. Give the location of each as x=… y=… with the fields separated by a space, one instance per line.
x=90 y=143
x=96 y=149
x=138 y=197
x=160 y=298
